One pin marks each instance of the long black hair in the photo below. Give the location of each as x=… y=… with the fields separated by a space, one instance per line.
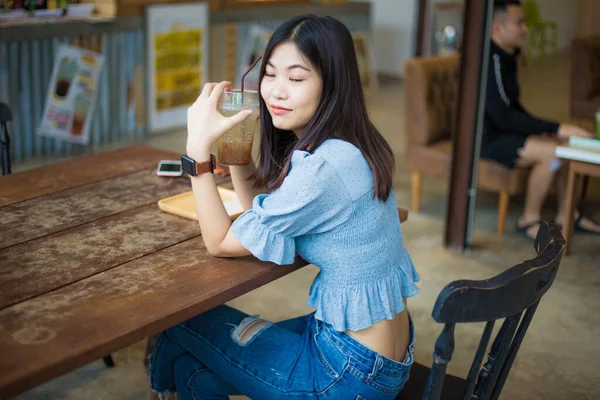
x=342 y=114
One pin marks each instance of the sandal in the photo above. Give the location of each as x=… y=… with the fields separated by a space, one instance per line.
x=523 y=229
x=578 y=228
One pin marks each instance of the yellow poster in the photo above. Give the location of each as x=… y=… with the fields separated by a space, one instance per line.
x=178 y=78
x=177 y=52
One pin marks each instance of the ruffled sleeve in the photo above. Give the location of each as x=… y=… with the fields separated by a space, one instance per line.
x=312 y=199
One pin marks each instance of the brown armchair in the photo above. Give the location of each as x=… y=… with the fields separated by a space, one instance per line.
x=431 y=88
x=585 y=77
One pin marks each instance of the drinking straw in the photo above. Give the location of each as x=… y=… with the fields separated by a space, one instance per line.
x=246 y=73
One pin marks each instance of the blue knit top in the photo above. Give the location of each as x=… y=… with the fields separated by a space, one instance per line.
x=325 y=212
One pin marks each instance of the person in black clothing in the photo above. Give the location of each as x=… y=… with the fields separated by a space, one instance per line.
x=512 y=136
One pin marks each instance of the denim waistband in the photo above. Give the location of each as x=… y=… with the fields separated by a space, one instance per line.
x=366 y=356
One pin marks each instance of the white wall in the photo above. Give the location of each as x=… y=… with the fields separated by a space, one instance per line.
x=394 y=25
x=565 y=14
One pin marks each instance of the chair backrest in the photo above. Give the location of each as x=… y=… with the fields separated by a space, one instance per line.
x=513 y=296
x=585 y=67
x=431 y=91
x=5 y=118
x=532 y=12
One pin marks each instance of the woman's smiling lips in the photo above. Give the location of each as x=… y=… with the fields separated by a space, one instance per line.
x=277 y=110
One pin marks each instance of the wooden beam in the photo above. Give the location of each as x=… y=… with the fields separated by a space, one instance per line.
x=468 y=125
x=422 y=27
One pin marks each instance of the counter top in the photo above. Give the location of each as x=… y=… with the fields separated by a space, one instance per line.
x=10 y=32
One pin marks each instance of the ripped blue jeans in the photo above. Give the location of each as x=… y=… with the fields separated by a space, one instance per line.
x=225 y=352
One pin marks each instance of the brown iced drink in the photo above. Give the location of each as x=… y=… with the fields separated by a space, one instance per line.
x=235 y=146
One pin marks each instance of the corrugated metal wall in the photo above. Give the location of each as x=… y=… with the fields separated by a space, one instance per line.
x=25 y=69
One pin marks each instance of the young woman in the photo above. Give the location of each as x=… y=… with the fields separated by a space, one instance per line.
x=323 y=190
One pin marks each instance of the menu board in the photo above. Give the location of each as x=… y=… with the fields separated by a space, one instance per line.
x=71 y=95
x=177 y=60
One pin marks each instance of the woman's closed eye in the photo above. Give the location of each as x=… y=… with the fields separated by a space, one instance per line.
x=271 y=75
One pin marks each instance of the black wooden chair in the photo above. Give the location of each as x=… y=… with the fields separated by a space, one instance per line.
x=513 y=296
x=5 y=118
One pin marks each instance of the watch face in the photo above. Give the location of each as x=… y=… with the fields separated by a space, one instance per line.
x=188 y=165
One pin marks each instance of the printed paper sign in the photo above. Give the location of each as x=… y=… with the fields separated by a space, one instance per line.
x=72 y=95
x=177 y=60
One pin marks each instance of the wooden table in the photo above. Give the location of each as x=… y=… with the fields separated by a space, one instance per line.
x=90 y=265
x=583 y=157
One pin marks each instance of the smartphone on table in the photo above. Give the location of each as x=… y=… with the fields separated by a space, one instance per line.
x=169 y=168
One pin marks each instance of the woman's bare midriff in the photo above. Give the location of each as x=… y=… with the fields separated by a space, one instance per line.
x=390 y=338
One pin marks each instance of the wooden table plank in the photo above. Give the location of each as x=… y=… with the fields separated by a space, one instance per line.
x=42 y=265
x=50 y=335
x=35 y=218
x=80 y=171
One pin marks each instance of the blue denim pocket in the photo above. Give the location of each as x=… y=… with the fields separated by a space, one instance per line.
x=330 y=364
x=379 y=381
x=367 y=375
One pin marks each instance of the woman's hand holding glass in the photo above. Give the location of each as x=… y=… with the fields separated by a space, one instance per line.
x=204 y=122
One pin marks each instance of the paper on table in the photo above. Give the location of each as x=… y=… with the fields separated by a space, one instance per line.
x=582 y=150
x=585 y=143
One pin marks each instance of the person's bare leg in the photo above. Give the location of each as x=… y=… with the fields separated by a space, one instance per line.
x=539 y=153
x=538 y=186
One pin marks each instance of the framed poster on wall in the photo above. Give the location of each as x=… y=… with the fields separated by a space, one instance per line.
x=177 y=49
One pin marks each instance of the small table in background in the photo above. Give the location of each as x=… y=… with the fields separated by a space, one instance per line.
x=583 y=158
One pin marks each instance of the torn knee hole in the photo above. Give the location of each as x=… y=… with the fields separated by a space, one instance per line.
x=252 y=330
x=248 y=330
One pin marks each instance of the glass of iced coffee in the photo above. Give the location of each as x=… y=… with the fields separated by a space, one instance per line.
x=235 y=146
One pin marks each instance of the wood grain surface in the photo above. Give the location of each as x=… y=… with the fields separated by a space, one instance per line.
x=89 y=264
x=79 y=171
x=52 y=334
